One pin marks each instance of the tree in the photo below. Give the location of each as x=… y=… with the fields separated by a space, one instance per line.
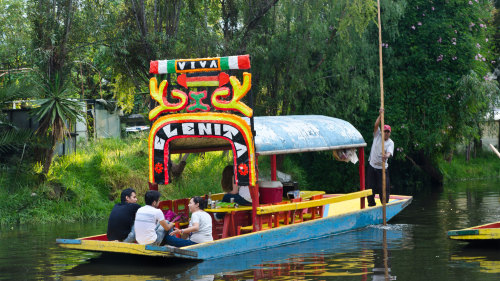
x=56 y=112
x=14 y=31
x=438 y=45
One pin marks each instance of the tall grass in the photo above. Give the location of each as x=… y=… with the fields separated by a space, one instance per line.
x=86 y=184
x=80 y=186
x=486 y=165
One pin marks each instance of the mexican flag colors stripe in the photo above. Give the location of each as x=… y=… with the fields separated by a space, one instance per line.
x=199 y=65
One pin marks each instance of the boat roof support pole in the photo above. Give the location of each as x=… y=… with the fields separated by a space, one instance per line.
x=273 y=167
x=153 y=186
x=362 y=174
x=254 y=192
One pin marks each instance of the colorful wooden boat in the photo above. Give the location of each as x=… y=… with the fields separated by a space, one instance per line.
x=180 y=127
x=482 y=233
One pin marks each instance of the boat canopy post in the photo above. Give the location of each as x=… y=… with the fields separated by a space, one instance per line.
x=273 y=167
x=362 y=174
x=153 y=186
x=254 y=192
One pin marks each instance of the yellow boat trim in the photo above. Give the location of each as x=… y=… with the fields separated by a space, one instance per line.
x=312 y=203
x=483 y=234
x=116 y=247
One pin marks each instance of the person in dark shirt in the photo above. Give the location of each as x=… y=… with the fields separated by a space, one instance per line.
x=121 y=219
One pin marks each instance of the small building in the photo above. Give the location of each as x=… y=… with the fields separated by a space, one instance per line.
x=491 y=131
x=103 y=115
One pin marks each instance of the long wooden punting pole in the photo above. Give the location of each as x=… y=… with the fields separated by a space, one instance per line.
x=381 y=106
x=495 y=150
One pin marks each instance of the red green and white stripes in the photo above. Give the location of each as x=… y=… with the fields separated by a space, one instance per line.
x=199 y=65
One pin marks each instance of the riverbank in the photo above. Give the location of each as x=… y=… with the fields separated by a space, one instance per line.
x=86 y=185
x=485 y=165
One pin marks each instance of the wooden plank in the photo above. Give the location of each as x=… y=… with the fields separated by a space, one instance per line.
x=114 y=247
x=312 y=203
x=171 y=249
x=463 y=232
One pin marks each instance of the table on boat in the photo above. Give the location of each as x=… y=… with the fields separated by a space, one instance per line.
x=229 y=227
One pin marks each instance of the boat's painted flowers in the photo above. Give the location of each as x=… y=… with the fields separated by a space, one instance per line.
x=158 y=168
x=243 y=169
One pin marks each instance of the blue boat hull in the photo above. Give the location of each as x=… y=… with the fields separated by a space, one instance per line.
x=297 y=232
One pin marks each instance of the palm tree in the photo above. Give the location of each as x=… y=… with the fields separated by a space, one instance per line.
x=56 y=110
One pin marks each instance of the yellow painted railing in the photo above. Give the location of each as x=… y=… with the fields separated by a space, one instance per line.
x=312 y=203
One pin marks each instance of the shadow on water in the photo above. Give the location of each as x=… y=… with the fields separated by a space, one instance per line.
x=109 y=266
x=356 y=255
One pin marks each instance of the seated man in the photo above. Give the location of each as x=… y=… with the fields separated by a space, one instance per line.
x=121 y=219
x=150 y=224
x=241 y=194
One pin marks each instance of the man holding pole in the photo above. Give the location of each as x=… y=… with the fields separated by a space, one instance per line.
x=377 y=159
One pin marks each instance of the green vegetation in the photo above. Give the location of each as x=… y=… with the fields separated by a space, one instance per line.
x=308 y=57
x=486 y=165
x=85 y=185
x=78 y=186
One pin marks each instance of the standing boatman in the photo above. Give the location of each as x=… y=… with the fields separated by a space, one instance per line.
x=377 y=159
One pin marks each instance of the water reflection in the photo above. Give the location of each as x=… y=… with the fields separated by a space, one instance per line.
x=358 y=255
x=417 y=248
x=485 y=257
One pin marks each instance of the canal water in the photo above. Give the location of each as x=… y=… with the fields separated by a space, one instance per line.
x=413 y=246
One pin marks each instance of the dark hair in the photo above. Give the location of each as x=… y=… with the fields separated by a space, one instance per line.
x=200 y=201
x=151 y=196
x=126 y=192
x=227 y=178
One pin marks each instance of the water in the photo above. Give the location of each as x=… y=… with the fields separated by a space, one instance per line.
x=414 y=243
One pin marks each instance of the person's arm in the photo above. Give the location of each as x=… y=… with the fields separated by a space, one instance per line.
x=167 y=226
x=389 y=151
x=377 y=122
x=386 y=156
x=185 y=231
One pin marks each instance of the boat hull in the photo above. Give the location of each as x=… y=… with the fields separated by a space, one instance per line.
x=283 y=235
x=482 y=233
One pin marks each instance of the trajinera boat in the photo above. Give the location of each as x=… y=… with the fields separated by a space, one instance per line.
x=486 y=233
x=213 y=117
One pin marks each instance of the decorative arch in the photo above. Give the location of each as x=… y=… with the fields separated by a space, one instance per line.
x=201 y=125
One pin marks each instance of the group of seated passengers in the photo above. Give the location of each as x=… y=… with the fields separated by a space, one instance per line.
x=129 y=222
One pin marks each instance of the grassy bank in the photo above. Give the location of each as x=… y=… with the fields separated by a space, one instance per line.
x=85 y=185
x=78 y=187
x=485 y=165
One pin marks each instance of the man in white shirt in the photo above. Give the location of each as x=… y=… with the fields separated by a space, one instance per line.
x=150 y=224
x=376 y=160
